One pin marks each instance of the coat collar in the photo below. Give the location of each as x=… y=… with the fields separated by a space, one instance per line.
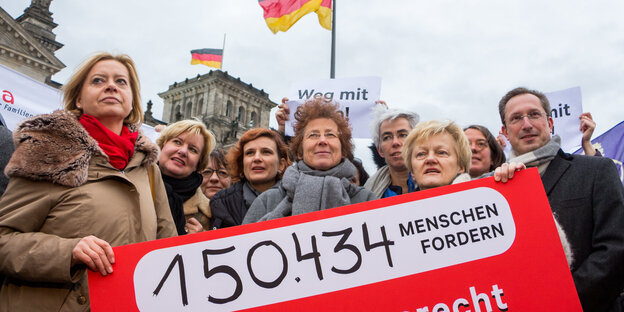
x=56 y=148
x=557 y=167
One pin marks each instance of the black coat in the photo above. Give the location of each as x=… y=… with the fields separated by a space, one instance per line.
x=228 y=207
x=587 y=197
x=6 y=150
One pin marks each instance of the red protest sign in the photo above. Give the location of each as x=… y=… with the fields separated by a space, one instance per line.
x=478 y=246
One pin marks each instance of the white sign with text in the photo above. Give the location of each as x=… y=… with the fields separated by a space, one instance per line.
x=356 y=97
x=565 y=108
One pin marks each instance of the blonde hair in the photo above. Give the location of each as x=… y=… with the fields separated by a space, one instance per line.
x=426 y=129
x=73 y=87
x=192 y=127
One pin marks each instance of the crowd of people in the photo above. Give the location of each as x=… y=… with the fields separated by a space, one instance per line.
x=84 y=179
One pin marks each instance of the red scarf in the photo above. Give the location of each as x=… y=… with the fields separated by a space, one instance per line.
x=119 y=148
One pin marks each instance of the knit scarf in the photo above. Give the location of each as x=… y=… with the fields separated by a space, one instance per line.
x=539 y=157
x=310 y=190
x=179 y=191
x=119 y=148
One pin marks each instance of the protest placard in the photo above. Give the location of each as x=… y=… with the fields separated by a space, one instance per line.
x=565 y=108
x=356 y=97
x=478 y=245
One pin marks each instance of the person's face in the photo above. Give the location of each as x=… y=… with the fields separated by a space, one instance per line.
x=434 y=162
x=526 y=134
x=261 y=162
x=180 y=155
x=481 y=152
x=216 y=178
x=321 y=145
x=106 y=93
x=392 y=133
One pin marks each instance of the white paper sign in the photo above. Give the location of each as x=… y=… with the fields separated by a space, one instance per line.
x=150 y=132
x=356 y=97
x=23 y=97
x=565 y=108
x=285 y=263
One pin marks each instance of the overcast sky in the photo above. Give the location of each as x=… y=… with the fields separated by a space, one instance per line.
x=443 y=59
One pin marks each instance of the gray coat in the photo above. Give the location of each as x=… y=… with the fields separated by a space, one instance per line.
x=310 y=190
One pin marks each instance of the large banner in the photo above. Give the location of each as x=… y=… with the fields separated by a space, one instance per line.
x=23 y=97
x=474 y=246
x=356 y=97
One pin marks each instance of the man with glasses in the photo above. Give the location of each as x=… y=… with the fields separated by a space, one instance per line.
x=584 y=193
x=389 y=129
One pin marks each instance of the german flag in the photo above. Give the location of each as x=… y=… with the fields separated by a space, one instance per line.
x=280 y=15
x=208 y=57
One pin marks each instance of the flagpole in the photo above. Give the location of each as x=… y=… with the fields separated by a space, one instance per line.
x=332 y=72
x=223 y=51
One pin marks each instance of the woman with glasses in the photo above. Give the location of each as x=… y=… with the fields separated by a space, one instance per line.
x=216 y=177
x=256 y=163
x=321 y=177
x=487 y=154
x=185 y=147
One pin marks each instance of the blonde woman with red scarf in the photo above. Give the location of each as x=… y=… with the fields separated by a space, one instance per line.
x=83 y=180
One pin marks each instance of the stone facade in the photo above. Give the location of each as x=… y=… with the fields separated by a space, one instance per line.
x=227 y=106
x=27 y=43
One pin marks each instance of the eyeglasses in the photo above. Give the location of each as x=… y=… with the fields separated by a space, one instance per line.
x=480 y=145
x=533 y=116
x=222 y=174
x=315 y=136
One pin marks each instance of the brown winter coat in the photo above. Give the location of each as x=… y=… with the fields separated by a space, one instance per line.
x=63 y=188
x=198 y=207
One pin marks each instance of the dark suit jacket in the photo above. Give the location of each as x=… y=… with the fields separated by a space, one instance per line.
x=587 y=197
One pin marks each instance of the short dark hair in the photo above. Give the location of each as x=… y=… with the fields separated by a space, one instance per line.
x=519 y=91
x=360 y=168
x=217 y=156
x=497 y=153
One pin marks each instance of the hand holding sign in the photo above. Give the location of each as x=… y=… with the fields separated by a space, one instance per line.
x=587 y=128
x=96 y=253
x=282 y=115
